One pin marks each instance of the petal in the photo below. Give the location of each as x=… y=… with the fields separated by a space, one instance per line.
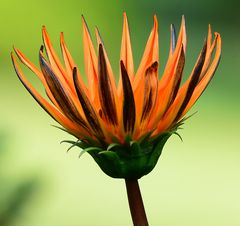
x=69 y=64
x=193 y=82
x=126 y=49
x=129 y=111
x=90 y=59
x=61 y=94
x=106 y=95
x=36 y=71
x=49 y=108
x=175 y=111
x=207 y=76
x=52 y=56
x=150 y=91
x=167 y=92
x=88 y=109
x=150 y=55
x=173 y=56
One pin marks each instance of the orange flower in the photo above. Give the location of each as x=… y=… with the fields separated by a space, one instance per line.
x=141 y=107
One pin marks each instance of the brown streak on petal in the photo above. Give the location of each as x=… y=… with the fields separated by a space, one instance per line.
x=150 y=90
x=27 y=88
x=178 y=77
x=107 y=100
x=60 y=95
x=129 y=111
x=193 y=82
x=87 y=107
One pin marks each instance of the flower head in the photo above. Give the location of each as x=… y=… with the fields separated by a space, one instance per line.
x=123 y=127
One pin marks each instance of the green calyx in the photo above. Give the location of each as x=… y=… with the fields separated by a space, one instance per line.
x=132 y=160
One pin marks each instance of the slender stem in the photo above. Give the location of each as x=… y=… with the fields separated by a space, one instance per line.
x=135 y=201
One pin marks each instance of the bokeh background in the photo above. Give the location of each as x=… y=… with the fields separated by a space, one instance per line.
x=196 y=182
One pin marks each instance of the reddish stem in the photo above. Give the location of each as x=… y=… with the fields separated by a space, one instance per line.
x=135 y=201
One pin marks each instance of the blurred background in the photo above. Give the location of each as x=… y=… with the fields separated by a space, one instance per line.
x=196 y=182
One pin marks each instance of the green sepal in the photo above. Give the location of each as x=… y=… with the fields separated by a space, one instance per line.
x=132 y=160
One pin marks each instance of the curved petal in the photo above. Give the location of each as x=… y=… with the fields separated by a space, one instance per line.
x=110 y=74
x=150 y=55
x=90 y=59
x=36 y=71
x=52 y=56
x=175 y=111
x=49 y=108
x=61 y=94
x=69 y=64
x=106 y=94
x=90 y=113
x=128 y=112
x=126 y=51
x=167 y=92
x=206 y=77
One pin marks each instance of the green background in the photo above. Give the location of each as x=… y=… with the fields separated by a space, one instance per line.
x=196 y=182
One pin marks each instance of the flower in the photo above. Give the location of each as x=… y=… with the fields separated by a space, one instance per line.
x=124 y=127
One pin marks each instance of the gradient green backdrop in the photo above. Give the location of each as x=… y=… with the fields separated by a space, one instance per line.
x=196 y=182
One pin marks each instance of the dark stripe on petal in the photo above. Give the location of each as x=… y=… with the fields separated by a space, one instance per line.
x=194 y=81
x=30 y=91
x=89 y=112
x=105 y=90
x=150 y=90
x=129 y=110
x=60 y=95
x=177 y=76
x=173 y=38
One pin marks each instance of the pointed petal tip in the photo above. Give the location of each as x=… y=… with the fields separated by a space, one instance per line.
x=217 y=35
x=61 y=37
x=209 y=27
x=12 y=55
x=83 y=19
x=155 y=20
x=41 y=49
x=74 y=71
x=97 y=32
x=100 y=48
x=44 y=29
x=183 y=18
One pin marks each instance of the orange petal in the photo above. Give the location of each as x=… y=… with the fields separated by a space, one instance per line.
x=69 y=64
x=126 y=51
x=61 y=94
x=128 y=112
x=88 y=109
x=207 y=76
x=175 y=111
x=208 y=53
x=110 y=74
x=150 y=91
x=106 y=94
x=50 y=109
x=53 y=58
x=168 y=91
x=90 y=59
x=36 y=71
x=173 y=56
x=150 y=55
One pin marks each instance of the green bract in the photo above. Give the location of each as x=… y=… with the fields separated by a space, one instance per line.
x=129 y=161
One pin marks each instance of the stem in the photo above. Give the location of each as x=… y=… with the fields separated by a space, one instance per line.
x=135 y=201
